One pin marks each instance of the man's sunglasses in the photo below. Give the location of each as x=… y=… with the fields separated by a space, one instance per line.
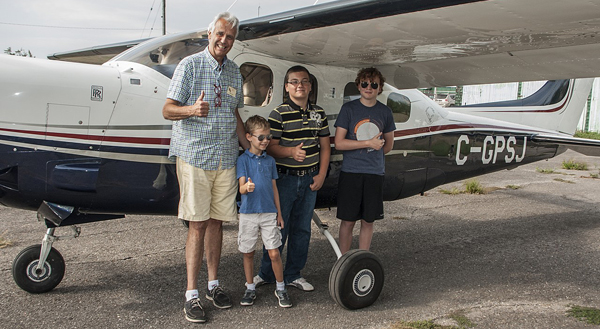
x=262 y=137
x=365 y=84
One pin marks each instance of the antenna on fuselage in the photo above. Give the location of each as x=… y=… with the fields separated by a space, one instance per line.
x=232 y=5
x=164 y=17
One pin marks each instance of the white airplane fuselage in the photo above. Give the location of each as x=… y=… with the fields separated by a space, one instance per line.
x=94 y=138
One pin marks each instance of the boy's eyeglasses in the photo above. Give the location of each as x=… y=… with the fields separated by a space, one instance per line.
x=262 y=137
x=295 y=83
x=365 y=84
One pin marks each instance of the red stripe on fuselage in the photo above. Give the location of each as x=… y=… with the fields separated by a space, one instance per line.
x=130 y=140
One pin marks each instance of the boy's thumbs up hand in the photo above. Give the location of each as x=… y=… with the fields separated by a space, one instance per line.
x=249 y=185
x=298 y=153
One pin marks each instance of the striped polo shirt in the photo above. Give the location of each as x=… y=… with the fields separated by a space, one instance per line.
x=292 y=125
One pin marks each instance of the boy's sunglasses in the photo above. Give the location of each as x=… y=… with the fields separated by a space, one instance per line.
x=365 y=84
x=262 y=137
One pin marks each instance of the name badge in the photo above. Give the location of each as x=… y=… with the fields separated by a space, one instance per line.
x=231 y=91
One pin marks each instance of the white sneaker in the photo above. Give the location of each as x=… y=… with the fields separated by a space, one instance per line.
x=301 y=284
x=258 y=281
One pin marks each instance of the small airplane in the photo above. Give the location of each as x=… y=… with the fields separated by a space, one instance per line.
x=82 y=143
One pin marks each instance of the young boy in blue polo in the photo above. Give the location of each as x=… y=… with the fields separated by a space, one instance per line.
x=260 y=210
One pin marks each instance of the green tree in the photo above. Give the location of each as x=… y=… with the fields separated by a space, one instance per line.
x=19 y=52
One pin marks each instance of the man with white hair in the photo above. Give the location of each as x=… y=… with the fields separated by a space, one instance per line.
x=203 y=101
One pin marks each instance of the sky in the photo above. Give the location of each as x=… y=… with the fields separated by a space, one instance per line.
x=46 y=27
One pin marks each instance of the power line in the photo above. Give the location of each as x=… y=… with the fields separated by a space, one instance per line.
x=71 y=27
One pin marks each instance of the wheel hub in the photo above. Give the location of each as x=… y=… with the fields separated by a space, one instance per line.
x=364 y=281
x=38 y=275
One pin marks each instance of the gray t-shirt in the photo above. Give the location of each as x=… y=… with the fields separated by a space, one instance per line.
x=364 y=123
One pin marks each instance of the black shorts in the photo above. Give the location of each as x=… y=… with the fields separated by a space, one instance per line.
x=360 y=196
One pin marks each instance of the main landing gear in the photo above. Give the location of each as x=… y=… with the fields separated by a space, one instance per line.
x=356 y=279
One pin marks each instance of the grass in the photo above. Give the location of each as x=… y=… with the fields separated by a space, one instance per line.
x=587 y=134
x=564 y=180
x=513 y=187
x=573 y=165
x=461 y=319
x=453 y=191
x=544 y=171
x=588 y=314
x=458 y=316
x=422 y=324
x=4 y=242
x=471 y=186
x=474 y=187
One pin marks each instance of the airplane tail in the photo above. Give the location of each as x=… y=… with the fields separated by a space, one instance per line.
x=556 y=106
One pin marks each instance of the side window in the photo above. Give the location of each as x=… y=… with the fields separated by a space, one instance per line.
x=400 y=106
x=351 y=92
x=258 y=84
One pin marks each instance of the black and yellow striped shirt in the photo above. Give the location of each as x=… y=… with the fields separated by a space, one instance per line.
x=292 y=125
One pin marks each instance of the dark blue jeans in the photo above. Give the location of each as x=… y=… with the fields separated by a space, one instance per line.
x=297 y=203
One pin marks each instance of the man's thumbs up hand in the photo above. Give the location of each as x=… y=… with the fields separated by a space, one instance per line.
x=201 y=107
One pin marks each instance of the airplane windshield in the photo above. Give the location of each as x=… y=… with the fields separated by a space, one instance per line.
x=164 y=53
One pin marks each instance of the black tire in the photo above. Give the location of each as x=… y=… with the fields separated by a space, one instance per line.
x=25 y=275
x=356 y=279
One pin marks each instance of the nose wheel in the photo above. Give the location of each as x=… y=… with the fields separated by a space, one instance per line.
x=36 y=279
x=356 y=279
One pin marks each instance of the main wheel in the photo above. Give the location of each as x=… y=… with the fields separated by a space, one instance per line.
x=29 y=278
x=356 y=279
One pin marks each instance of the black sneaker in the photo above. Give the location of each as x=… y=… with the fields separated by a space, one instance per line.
x=283 y=298
x=218 y=297
x=193 y=311
x=249 y=297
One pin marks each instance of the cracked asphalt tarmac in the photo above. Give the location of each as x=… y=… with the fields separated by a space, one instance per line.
x=515 y=257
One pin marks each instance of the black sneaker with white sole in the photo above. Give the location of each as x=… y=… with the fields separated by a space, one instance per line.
x=218 y=297
x=193 y=311
x=283 y=298
x=249 y=297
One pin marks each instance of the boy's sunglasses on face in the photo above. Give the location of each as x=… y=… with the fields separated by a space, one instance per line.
x=262 y=137
x=365 y=84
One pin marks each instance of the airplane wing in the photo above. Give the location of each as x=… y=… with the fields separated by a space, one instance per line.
x=95 y=55
x=439 y=43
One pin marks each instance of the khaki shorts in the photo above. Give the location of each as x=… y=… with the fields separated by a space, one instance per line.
x=251 y=225
x=206 y=194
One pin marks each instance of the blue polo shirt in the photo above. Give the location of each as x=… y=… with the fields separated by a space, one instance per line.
x=262 y=170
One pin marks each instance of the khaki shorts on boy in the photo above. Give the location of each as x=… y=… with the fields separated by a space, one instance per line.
x=251 y=224
x=206 y=194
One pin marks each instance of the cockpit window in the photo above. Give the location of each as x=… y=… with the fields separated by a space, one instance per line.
x=164 y=53
x=400 y=106
x=258 y=84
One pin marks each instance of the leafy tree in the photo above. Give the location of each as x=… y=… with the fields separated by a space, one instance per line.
x=19 y=52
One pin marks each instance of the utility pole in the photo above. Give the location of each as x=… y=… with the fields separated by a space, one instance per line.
x=164 y=20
